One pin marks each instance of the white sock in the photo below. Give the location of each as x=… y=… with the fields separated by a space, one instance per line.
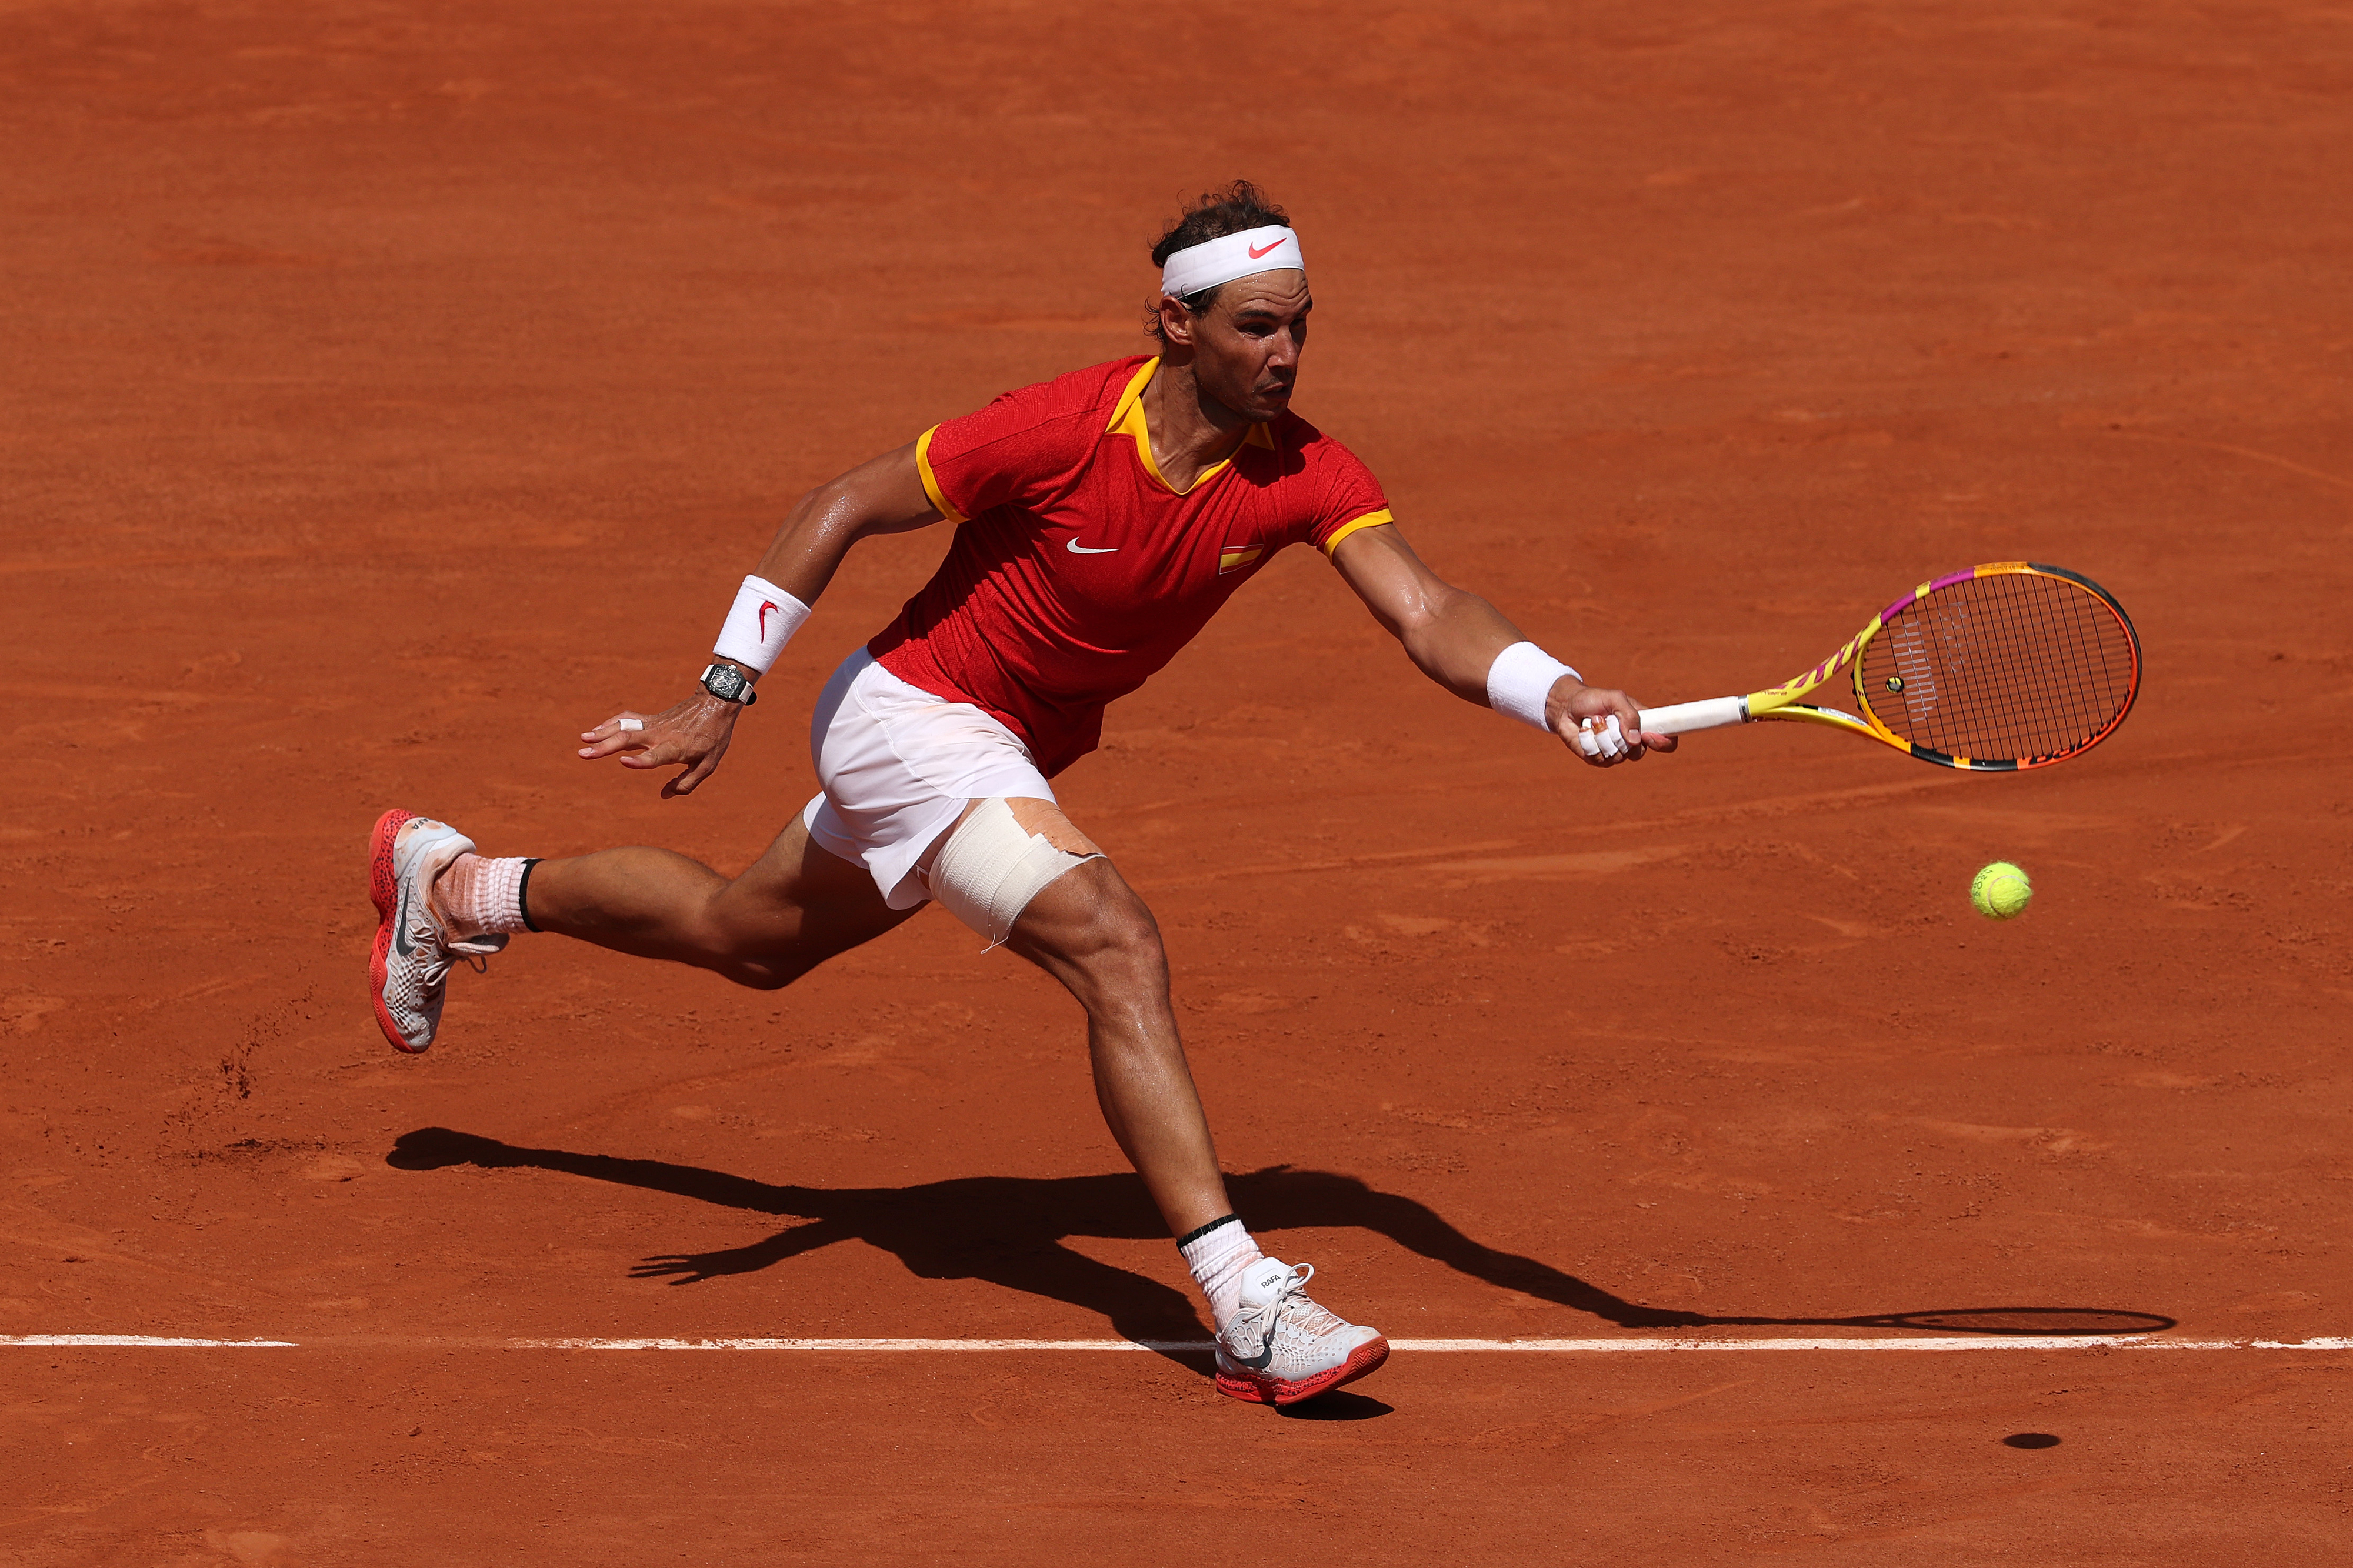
x=1217 y=1254
x=478 y=894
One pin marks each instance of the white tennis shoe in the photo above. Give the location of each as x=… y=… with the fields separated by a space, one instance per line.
x=1281 y=1348
x=408 y=973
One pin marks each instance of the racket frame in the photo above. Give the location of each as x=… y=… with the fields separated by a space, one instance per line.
x=1783 y=701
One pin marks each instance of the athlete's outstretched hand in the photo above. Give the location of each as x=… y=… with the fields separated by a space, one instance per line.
x=1599 y=706
x=695 y=733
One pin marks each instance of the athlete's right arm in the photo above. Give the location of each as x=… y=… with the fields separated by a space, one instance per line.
x=883 y=496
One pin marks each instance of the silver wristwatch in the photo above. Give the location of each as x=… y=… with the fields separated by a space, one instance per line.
x=729 y=684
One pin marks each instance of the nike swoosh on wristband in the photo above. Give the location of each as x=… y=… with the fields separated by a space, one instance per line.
x=765 y=605
x=1075 y=548
x=1258 y=255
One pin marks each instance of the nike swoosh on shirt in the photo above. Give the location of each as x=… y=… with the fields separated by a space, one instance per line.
x=1258 y=255
x=1075 y=548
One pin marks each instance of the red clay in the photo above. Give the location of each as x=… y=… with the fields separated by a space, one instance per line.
x=393 y=390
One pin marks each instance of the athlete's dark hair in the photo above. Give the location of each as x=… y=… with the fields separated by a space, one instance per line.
x=1213 y=214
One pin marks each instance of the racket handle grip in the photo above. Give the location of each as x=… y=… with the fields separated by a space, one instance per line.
x=1684 y=717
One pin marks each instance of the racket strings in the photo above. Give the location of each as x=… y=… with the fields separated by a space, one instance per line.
x=2015 y=666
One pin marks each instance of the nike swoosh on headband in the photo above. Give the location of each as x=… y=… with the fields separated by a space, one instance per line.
x=1075 y=548
x=1256 y=254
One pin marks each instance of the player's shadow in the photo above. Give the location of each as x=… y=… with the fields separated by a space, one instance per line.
x=1010 y=1231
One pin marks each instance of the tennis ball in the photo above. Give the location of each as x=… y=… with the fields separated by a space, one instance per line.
x=2000 y=892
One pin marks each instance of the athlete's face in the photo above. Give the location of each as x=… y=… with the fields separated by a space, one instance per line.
x=1246 y=347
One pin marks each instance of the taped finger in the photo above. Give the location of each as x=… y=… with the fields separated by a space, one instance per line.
x=629 y=724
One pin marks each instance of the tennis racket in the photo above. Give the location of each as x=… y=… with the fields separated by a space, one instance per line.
x=1992 y=669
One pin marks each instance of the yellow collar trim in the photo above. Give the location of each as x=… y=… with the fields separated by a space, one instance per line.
x=1127 y=419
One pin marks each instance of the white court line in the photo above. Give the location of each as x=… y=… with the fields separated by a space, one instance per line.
x=144 y=1342
x=1540 y=1347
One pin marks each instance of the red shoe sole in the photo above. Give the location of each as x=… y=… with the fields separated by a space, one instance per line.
x=383 y=888
x=1366 y=1358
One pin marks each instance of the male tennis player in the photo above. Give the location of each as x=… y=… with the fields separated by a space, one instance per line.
x=1101 y=519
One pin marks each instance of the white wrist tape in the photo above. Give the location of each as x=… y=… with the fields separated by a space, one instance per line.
x=1520 y=679
x=761 y=622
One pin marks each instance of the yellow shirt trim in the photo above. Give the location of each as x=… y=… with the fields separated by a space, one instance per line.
x=932 y=480
x=1127 y=419
x=1370 y=520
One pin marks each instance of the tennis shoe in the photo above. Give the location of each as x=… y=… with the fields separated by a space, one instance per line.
x=408 y=973
x=1279 y=1348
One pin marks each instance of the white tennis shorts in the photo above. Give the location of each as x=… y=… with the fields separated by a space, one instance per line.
x=899 y=765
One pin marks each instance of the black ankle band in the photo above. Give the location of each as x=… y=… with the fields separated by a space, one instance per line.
x=523 y=894
x=1190 y=1236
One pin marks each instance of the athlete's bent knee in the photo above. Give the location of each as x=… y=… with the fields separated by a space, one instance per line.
x=1119 y=929
x=988 y=869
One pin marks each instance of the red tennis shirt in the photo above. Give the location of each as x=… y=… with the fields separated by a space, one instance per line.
x=1077 y=572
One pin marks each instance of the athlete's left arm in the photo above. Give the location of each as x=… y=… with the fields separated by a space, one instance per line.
x=1454 y=636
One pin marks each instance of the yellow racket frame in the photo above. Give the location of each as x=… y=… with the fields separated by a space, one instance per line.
x=1784 y=702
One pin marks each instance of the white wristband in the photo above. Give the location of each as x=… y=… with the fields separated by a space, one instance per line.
x=762 y=621
x=1520 y=679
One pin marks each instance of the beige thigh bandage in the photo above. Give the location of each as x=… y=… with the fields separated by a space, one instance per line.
x=989 y=870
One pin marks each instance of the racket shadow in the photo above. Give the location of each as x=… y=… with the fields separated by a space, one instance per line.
x=1012 y=1230
x=1281 y=1197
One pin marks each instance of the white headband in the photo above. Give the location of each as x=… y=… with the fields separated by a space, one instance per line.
x=1216 y=262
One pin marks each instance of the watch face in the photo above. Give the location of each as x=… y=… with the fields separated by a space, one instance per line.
x=723 y=683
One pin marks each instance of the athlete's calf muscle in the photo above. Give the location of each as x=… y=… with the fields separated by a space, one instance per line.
x=1089 y=931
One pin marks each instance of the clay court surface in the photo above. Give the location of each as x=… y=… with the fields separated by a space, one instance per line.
x=393 y=390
